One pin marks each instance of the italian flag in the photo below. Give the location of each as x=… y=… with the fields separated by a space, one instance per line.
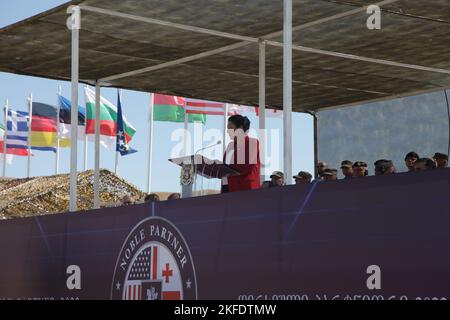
x=172 y=109
x=108 y=120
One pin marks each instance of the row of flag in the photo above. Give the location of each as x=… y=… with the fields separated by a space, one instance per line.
x=173 y=109
x=46 y=134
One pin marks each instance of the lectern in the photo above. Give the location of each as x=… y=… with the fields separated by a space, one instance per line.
x=194 y=165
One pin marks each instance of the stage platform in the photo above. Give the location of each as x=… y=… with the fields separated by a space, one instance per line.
x=369 y=238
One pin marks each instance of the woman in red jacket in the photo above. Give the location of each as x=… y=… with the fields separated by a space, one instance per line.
x=242 y=154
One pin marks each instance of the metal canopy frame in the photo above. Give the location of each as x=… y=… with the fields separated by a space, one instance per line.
x=245 y=40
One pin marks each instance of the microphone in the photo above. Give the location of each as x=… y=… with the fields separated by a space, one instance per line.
x=207 y=147
x=200 y=161
x=210 y=146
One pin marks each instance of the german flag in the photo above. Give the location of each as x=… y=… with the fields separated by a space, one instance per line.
x=43 y=127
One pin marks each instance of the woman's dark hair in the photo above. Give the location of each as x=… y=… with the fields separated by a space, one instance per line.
x=240 y=122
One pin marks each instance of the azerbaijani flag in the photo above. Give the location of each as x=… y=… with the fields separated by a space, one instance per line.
x=171 y=109
x=108 y=120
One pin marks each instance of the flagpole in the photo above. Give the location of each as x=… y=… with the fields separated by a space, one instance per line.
x=97 y=148
x=150 y=144
x=85 y=164
x=186 y=121
x=30 y=120
x=58 y=110
x=5 y=136
x=186 y=191
x=116 y=166
x=116 y=163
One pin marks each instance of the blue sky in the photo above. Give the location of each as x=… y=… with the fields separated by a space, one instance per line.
x=135 y=106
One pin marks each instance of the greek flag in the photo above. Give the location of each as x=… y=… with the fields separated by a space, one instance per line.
x=18 y=134
x=17 y=129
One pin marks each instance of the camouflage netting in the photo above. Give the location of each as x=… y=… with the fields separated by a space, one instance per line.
x=46 y=195
x=413 y=32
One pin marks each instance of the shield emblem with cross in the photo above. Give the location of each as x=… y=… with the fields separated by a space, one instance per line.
x=153 y=275
x=154 y=263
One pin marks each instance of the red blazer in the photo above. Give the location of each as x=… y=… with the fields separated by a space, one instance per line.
x=249 y=168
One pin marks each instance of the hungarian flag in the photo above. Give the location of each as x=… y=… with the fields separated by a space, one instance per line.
x=108 y=120
x=171 y=109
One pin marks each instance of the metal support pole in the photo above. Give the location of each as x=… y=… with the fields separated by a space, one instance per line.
x=225 y=126
x=5 y=137
x=316 y=148
x=30 y=119
x=287 y=89
x=97 y=148
x=262 y=104
x=58 y=110
x=150 y=143
x=75 y=26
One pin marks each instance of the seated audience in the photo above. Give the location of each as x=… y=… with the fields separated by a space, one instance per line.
x=174 y=196
x=152 y=197
x=441 y=160
x=424 y=164
x=321 y=167
x=360 y=169
x=303 y=177
x=276 y=180
x=347 y=169
x=329 y=174
x=384 y=167
x=128 y=200
x=410 y=158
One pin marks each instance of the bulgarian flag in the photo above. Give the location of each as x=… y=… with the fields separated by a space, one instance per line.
x=108 y=120
x=172 y=109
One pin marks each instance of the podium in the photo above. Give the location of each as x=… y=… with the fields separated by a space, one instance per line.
x=194 y=165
